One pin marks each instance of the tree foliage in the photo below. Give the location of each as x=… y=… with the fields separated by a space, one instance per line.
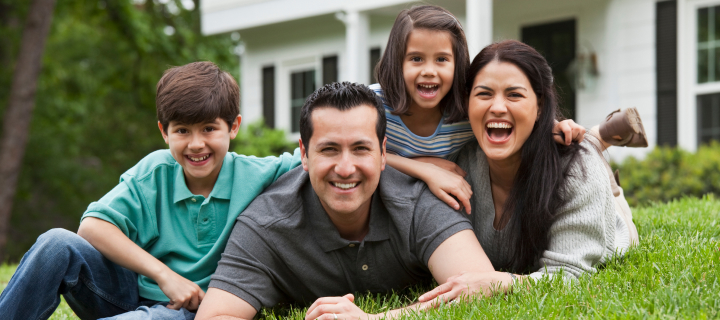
x=95 y=108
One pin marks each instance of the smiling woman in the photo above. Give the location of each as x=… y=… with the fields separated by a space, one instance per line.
x=539 y=208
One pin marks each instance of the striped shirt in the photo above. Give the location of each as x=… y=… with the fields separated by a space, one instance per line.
x=447 y=139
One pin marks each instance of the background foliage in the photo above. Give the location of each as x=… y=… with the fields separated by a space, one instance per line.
x=670 y=173
x=95 y=110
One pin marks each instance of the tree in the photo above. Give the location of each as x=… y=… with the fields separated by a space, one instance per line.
x=16 y=122
x=94 y=116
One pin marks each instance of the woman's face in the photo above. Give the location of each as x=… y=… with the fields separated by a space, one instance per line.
x=502 y=110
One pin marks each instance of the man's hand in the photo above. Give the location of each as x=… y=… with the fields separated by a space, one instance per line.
x=466 y=285
x=182 y=292
x=444 y=178
x=341 y=308
x=571 y=130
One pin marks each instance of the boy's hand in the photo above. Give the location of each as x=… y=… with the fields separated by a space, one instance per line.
x=182 y=292
x=444 y=178
x=571 y=130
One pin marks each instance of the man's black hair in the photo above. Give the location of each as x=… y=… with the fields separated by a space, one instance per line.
x=342 y=96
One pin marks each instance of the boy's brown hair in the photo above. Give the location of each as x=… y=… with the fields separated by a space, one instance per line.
x=389 y=70
x=197 y=92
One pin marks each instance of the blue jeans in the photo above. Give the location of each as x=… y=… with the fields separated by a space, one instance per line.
x=61 y=262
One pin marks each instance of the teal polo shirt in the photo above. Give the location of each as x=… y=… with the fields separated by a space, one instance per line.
x=154 y=208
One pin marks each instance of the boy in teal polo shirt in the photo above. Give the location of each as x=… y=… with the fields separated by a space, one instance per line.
x=149 y=246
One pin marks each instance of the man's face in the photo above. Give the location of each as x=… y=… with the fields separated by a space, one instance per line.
x=344 y=159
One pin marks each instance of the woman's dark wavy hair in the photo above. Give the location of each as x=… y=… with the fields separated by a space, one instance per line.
x=389 y=70
x=541 y=181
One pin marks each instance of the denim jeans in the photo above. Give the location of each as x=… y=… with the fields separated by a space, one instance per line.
x=61 y=262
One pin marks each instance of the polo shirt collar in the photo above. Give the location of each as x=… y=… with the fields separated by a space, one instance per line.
x=181 y=190
x=221 y=190
x=327 y=235
x=222 y=187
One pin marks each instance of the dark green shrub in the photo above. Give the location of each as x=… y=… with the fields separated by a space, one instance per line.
x=260 y=141
x=671 y=173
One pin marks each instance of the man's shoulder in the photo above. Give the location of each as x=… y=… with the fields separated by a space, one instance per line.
x=279 y=202
x=396 y=186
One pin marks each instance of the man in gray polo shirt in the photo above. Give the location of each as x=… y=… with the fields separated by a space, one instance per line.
x=340 y=224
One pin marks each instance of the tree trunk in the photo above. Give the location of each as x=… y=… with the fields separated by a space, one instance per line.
x=16 y=123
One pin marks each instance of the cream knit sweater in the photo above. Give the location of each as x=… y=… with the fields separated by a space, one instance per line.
x=586 y=231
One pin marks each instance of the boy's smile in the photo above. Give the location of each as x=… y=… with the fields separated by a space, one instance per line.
x=200 y=149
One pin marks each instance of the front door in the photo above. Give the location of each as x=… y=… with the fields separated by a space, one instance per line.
x=556 y=42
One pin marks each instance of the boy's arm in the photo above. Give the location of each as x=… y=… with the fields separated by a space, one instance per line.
x=118 y=248
x=443 y=177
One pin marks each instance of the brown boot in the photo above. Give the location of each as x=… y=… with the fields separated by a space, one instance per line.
x=625 y=124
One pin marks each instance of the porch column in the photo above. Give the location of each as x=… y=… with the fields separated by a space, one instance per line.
x=478 y=25
x=357 y=56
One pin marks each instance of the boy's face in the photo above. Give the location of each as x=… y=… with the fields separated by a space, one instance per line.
x=200 y=149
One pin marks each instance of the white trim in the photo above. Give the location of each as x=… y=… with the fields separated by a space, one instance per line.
x=246 y=15
x=688 y=88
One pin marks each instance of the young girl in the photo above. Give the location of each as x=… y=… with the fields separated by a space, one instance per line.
x=421 y=81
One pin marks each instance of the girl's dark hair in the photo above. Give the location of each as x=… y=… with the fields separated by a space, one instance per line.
x=389 y=70
x=540 y=184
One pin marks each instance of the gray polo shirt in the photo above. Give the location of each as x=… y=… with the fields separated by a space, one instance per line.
x=284 y=248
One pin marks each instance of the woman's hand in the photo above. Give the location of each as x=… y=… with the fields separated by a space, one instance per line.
x=182 y=292
x=571 y=130
x=341 y=308
x=468 y=284
x=444 y=178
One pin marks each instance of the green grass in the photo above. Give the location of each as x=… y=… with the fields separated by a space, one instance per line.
x=672 y=274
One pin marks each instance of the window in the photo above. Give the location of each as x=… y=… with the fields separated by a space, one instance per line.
x=374 y=59
x=329 y=69
x=708 y=117
x=302 y=84
x=708 y=37
x=268 y=96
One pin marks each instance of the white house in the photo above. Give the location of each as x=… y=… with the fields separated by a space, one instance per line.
x=657 y=56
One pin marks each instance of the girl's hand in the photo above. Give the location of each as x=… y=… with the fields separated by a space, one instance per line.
x=468 y=284
x=182 y=292
x=572 y=131
x=330 y=308
x=445 y=179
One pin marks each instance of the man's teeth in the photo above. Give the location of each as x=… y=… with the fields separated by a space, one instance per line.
x=499 y=125
x=345 y=185
x=199 y=159
x=429 y=86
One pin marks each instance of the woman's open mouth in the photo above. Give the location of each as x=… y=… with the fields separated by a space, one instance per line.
x=428 y=91
x=499 y=132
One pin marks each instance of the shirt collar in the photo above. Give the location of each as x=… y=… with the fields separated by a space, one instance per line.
x=181 y=190
x=325 y=232
x=221 y=189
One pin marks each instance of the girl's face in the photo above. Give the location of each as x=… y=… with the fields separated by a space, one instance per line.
x=428 y=67
x=502 y=110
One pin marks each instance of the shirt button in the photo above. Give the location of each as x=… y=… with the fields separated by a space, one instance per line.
x=193 y=199
x=205 y=220
x=352 y=245
x=364 y=267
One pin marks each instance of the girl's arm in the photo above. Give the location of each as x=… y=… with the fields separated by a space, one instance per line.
x=444 y=178
x=571 y=132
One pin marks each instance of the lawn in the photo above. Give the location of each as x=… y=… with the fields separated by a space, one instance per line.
x=672 y=274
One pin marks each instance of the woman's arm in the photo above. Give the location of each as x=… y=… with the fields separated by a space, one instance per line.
x=444 y=178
